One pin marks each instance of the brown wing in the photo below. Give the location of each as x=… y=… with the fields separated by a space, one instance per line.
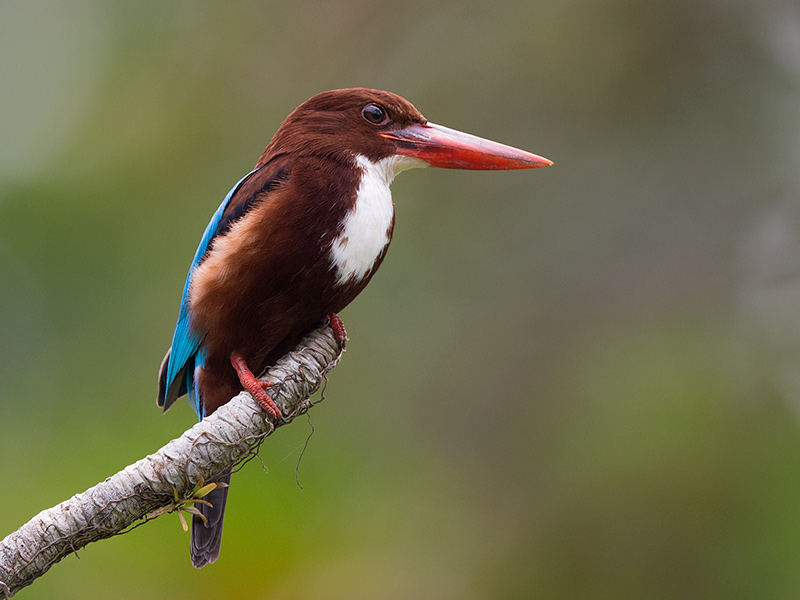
x=253 y=191
x=249 y=194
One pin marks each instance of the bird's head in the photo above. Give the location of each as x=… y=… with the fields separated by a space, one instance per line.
x=342 y=124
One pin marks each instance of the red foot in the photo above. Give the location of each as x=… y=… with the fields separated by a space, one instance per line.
x=339 y=332
x=255 y=386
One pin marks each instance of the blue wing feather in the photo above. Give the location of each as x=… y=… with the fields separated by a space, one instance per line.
x=186 y=353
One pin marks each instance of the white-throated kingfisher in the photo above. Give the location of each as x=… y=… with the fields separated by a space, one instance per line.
x=294 y=242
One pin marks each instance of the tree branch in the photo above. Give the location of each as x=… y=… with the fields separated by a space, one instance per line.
x=218 y=443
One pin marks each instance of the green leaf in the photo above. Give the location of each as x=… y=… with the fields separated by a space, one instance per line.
x=195 y=511
x=183 y=521
x=205 y=490
x=199 y=501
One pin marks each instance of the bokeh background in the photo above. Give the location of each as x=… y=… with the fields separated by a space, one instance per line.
x=575 y=382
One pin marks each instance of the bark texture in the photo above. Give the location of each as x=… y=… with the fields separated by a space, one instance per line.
x=127 y=499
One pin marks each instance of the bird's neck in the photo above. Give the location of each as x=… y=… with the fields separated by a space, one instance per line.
x=366 y=229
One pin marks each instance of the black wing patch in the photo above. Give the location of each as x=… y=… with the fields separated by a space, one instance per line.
x=252 y=192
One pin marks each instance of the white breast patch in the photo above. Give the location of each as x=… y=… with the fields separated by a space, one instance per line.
x=365 y=227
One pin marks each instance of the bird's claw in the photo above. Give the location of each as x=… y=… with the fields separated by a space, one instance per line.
x=265 y=401
x=256 y=387
x=339 y=332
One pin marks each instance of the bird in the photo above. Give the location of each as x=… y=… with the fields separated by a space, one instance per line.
x=293 y=243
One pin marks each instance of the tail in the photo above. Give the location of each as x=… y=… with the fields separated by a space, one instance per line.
x=207 y=536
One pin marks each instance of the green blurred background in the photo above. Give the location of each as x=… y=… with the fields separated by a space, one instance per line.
x=576 y=382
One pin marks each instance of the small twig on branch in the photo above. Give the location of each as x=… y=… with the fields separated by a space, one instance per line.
x=214 y=446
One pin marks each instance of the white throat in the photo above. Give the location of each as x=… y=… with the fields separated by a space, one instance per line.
x=365 y=228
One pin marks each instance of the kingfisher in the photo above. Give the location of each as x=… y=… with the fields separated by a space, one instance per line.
x=293 y=243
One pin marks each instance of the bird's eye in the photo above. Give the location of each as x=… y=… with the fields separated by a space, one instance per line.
x=374 y=114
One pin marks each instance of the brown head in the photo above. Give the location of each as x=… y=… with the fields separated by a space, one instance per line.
x=341 y=124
